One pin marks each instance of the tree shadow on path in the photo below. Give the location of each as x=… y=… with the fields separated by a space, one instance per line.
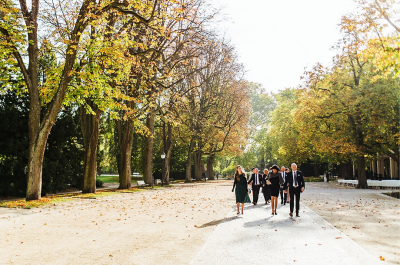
x=216 y=222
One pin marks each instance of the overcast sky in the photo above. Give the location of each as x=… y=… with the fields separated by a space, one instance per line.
x=277 y=39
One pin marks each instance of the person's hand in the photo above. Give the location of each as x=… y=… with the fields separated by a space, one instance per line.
x=263 y=185
x=284 y=191
x=302 y=189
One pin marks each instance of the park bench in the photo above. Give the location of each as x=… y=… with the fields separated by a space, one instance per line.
x=141 y=183
x=157 y=181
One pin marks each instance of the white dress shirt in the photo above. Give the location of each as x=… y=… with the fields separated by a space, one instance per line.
x=294 y=174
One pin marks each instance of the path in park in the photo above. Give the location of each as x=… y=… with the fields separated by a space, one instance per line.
x=257 y=237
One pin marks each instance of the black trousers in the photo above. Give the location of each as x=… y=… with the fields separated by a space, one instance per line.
x=295 y=192
x=256 y=191
x=266 y=193
x=283 y=195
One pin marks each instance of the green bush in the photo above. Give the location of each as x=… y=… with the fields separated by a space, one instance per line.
x=99 y=183
x=313 y=179
x=63 y=157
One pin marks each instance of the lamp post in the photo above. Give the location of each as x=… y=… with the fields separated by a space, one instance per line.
x=163 y=166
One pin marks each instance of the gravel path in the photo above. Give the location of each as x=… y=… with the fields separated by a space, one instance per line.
x=367 y=216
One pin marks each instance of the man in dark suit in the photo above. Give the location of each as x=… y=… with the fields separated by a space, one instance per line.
x=256 y=183
x=295 y=182
x=283 y=195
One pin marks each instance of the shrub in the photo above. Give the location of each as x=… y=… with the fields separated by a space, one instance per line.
x=99 y=183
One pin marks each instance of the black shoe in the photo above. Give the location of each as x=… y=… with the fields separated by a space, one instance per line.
x=276 y=214
x=297 y=215
x=281 y=202
x=284 y=203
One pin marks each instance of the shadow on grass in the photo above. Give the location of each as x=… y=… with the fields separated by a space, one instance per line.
x=393 y=194
x=53 y=199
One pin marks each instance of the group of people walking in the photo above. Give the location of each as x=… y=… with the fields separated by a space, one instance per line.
x=273 y=182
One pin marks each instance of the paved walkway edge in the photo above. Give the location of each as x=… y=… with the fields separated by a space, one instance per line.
x=214 y=251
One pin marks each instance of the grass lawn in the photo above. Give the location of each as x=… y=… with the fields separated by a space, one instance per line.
x=46 y=200
x=115 y=179
x=313 y=179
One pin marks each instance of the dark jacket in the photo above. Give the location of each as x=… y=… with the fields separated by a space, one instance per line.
x=285 y=174
x=253 y=179
x=289 y=179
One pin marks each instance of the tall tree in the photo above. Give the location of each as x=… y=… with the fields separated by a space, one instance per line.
x=66 y=25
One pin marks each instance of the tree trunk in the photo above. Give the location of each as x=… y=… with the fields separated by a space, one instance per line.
x=188 y=178
x=316 y=170
x=210 y=170
x=90 y=131
x=362 y=178
x=37 y=135
x=40 y=127
x=35 y=163
x=125 y=131
x=197 y=165
x=148 y=150
x=345 y=170
x=168 y=154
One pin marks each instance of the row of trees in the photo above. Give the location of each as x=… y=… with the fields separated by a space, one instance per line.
x=344 y=113
x=129 y=65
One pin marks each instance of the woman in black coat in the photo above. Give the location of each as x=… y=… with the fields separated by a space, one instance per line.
x=275 y=179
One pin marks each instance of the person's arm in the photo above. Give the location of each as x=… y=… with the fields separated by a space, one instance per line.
x=286 y=183
x=250 y=180
x=303 y=184
x=234 y=184
x=281 y=182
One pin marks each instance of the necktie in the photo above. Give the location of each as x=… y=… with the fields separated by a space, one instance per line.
x=256 y=178
x=295 y=179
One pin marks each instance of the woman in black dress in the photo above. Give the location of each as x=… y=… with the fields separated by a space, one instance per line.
x=275 y=179
x=241 y=187
x=265 y=189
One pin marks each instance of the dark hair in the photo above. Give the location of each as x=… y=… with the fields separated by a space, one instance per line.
x=237 y=176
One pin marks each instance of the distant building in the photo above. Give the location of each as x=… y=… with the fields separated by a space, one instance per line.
x=385 y=167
